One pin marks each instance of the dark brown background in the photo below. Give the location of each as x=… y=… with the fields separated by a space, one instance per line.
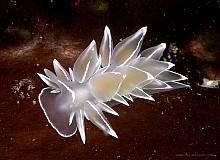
x=181 y=124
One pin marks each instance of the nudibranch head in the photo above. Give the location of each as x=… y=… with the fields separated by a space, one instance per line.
x=115 y=74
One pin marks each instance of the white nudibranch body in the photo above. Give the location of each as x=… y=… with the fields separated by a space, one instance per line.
x=114 y=75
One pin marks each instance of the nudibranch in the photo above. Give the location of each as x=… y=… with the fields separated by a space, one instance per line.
x=115 y=74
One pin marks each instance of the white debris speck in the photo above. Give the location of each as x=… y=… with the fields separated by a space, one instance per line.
x=118 y=156
x=173 y=49
x=28 y=95
x=23 y=88
x=210 y=83
x=168 y=100
x=34 y=102
x=21 y=94
x=13 y=2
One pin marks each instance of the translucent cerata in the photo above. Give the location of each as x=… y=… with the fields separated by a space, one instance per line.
x=99 y=80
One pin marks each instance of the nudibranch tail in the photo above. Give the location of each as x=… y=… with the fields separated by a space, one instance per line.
x=99 y=81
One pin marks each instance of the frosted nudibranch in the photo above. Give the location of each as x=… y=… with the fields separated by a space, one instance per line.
x=114 y=75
